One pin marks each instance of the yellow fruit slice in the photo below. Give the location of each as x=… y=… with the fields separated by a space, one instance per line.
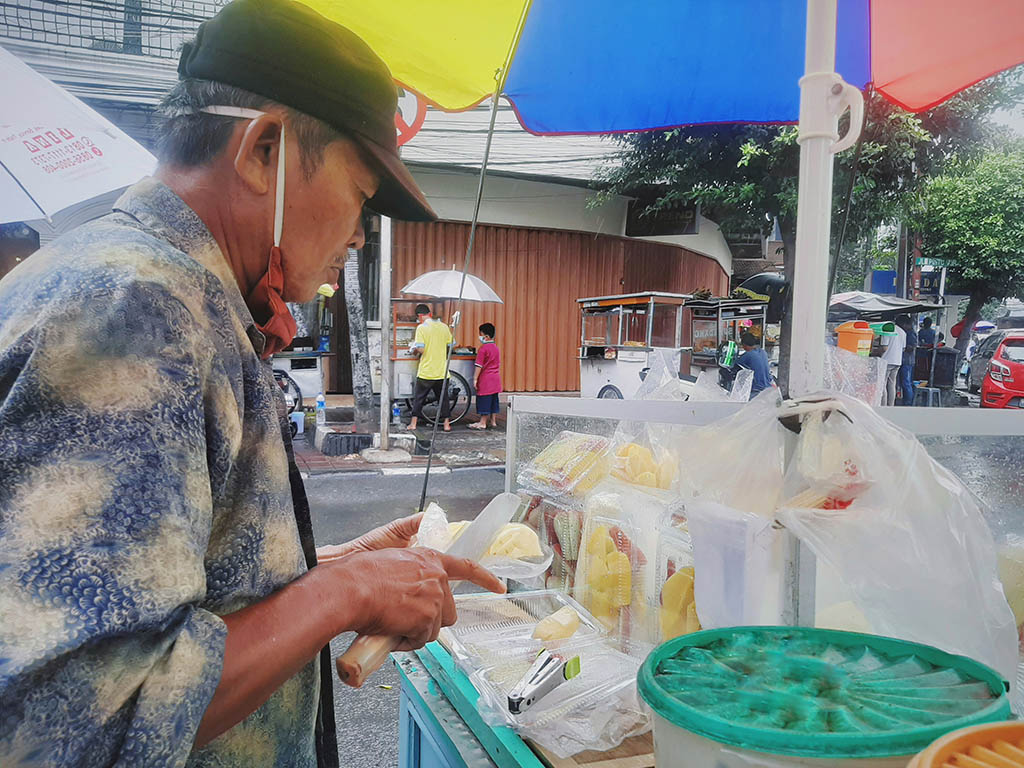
x=600 y=542
x=641 y=462
x=646 y=479
x=456 y=529
x=620 y=579
x=560 y=625
x=515 y=540
x=678 y=611
x=666 y=473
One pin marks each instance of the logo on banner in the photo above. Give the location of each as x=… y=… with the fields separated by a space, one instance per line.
x=409 y=117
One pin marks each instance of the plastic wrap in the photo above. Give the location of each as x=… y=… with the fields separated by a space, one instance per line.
x=568 y=467
x=736 y=461
x=737 y=565
x=435 y=532
x=708 y=389
x=851 y=374
x=492 y=641
x=910 y=545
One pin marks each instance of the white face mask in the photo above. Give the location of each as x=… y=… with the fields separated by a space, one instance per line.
x=483 y=339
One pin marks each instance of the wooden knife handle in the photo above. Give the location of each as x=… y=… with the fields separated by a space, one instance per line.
x=364 y=657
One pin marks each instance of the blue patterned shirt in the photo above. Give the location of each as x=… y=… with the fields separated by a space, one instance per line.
x=145 y=493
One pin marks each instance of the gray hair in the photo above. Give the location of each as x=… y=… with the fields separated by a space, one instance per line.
x=189 y=138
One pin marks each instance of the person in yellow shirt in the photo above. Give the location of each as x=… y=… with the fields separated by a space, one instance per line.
x=431 y=346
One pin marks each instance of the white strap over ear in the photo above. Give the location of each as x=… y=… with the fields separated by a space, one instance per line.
x=249 y=114
x=252 y=114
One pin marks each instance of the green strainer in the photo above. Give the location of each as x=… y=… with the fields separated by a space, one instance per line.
x=817 y=692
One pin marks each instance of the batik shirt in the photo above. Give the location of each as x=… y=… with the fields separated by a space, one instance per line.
x=144 y=493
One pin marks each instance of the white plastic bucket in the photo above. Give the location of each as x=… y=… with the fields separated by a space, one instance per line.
x=675 y=747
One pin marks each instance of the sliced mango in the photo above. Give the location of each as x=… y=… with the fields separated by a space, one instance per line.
x=560 y=625
x=678 y=611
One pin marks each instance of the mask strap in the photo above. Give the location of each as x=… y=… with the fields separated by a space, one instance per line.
x=252 y=114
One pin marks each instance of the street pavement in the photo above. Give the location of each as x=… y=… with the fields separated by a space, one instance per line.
x=342 y=507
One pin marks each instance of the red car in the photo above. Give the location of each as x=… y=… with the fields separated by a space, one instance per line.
x=1003 y=385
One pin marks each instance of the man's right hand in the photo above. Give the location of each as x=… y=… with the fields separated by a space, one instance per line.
x=404 y=592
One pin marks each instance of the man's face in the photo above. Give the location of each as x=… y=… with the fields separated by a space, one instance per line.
x=323 y=217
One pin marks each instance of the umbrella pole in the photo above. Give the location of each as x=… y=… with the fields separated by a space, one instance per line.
x=462 y=285
x=823 y=97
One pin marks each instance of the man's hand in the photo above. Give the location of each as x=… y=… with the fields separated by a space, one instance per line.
x=395 y=534
x=405 y=592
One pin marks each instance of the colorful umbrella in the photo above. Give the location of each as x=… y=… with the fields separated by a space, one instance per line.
x=601 y=66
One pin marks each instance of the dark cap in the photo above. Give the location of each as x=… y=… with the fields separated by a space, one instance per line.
x=291 y=54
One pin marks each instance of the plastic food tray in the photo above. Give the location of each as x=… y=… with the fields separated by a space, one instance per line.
x=817 y=693
x=490 y=626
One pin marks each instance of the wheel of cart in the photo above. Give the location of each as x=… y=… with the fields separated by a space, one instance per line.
x=292 y=395
x=458 y=395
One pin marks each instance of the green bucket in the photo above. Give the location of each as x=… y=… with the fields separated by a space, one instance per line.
x=817 y=693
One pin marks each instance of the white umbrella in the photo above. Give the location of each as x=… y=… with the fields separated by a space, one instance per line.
x=54 y=150
x=444 y=284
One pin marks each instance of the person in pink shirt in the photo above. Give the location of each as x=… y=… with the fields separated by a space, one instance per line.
x=488 y=379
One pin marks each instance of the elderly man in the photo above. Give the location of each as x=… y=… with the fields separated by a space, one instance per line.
x=159 y=603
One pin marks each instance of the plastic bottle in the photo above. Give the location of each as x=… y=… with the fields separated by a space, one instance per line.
x=321 y=409
x=396 y=415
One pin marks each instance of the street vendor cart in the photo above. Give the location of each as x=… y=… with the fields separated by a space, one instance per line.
x=404 y=363
x=620 y=336
x=713 y=322
x=444 y=720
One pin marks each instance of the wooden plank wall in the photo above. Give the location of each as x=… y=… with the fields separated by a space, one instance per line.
x=540 y=273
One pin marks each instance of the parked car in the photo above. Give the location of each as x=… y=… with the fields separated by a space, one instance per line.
x=1003 y=384
x=977 y=367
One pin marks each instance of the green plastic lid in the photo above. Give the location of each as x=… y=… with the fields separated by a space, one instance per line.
x=883 y=329
x=818 y=692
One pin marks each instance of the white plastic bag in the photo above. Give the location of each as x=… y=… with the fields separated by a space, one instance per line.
x=851 y=374
x=910 y=546
x=737 y=565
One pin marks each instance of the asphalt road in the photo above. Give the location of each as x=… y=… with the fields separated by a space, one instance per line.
x=342 y=507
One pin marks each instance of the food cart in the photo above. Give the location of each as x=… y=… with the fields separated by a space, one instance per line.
x=713 y=322
x=619 y=335
x=441 y=721
x=404 y=363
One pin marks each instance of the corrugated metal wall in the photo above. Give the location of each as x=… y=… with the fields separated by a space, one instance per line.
x=540 y=274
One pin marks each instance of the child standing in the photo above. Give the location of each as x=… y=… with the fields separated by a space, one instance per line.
x=488 y=378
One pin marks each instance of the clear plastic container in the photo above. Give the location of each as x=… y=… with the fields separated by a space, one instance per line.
x=676 y=604
x=610 y=577
x=492 y=641
x=568 y=467
x=505 y=623
x=559 y=528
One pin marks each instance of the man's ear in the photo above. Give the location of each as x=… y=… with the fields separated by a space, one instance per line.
x=256 y=158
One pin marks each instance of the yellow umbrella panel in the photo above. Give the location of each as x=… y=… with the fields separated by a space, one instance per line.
x=448 y=50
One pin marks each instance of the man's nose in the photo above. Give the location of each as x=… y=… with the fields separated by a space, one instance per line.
x=358 y=237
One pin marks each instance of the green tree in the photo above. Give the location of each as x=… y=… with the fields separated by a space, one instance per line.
x=972 y=216
x=743 y=176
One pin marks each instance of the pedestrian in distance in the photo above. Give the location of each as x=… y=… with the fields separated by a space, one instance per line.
x=488 y=379
x=431 y=346
x=755 y=359
x=893 y=359
x=909 y=358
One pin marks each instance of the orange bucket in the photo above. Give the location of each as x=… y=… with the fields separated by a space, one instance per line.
x=994 y=745
x=855 y=336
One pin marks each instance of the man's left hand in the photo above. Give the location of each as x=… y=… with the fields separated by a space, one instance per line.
x=395 y=534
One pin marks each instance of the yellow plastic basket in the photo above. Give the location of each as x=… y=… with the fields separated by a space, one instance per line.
x=994 y=745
